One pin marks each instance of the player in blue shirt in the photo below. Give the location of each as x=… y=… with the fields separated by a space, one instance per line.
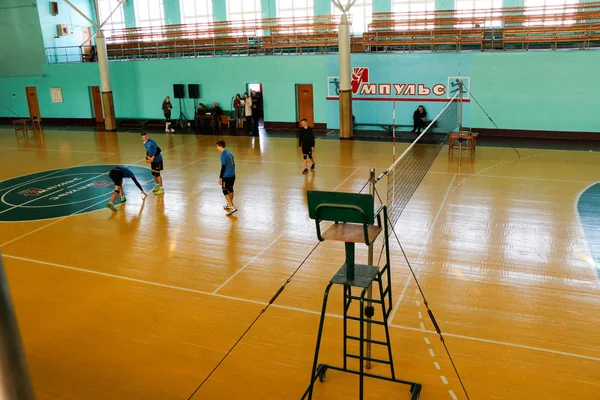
x=117 y=174
x=155 y=159
x=227 y=176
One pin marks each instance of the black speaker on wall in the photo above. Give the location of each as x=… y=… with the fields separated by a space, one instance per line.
x=179 y=91
x=194 y=91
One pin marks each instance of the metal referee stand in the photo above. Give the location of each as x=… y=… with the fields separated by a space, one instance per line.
x=354 y=222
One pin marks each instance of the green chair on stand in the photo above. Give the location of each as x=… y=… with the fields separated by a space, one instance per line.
x=355 y=221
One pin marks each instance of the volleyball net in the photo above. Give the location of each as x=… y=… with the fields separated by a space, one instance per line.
x=409 y=169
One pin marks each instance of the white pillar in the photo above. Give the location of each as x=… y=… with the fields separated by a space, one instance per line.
x=345 y=88
x=105 y=88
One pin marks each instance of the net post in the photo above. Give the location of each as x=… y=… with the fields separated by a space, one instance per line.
x=460 y=113
x=14 y=378
x=372 y=182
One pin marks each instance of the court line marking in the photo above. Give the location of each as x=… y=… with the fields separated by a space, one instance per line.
x=251 y=261
x=58 y=150
x=529 y=178
x=263 y=303
x=452 y=394
x=83 y=209
x=95 y=204
x=422 y=252
x=50 y=174
x=595 y=269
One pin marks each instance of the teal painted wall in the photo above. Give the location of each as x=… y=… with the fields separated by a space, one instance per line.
x=322 y=7
x=172 y=12
x=21 y=42
x=554 y=91
x=219 y=10
x=129 y=14
x=139 y=87
x=382 y=5
x=66 y=15
x=268 y=8
x=529 y=90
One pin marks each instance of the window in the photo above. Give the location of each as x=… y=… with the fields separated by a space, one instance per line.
x=477 y=12
x=196 y=11
x=116 y=22
x=150 y=14
x=295 y=12
x=419 y=14
x=241 y=11
x=551 y=12
x=361 y=15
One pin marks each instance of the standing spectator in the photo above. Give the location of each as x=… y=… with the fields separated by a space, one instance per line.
x=238 y=105
x=248 y=109
x=167 y=107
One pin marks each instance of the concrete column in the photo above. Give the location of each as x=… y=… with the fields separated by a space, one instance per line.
x=345 y=88
x=107 y=96
x=14 y=378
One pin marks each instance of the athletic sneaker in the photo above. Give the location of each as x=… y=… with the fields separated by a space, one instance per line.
x=110 y=206
x=305 y=171
x=159 y=191
x=155 y=188
x=231 y=210
x=312 y=166
x=123 y=199
x=226 y=207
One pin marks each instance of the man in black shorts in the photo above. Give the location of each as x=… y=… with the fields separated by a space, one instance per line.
x=155 y=158
x=227 y=176
x=306 y=143
x=117 y=174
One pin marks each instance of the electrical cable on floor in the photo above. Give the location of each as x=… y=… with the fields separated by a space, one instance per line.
x=281 y=289
x=435 y=324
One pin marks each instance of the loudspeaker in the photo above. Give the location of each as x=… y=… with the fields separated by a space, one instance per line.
x=194 y=91
x=179 y=91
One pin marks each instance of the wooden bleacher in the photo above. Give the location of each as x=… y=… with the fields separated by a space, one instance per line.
x=573 y=26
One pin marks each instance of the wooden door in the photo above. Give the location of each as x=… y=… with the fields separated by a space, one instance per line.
x=305 y=106
x=97 y=104
x=32 y=102
x=86 y=47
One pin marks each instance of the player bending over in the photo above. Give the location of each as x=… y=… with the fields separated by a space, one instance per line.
x=117 y=174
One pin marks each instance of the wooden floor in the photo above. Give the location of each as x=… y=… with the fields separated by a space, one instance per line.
x=147 y=302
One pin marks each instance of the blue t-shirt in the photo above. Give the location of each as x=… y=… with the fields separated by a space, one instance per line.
x=151 y=149
x=228 y=162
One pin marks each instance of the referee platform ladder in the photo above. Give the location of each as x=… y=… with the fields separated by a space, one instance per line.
x=354 y=220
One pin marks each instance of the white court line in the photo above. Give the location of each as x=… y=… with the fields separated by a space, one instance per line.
x=228 y=280
x=437 y=365
x=58 y=150
x=444 y=380
x=95 y=204
x=453 y=395
x=237 y=160
x=422 y=252
x=510 y=177
x=407 y=328
x=422 y=325
x=249 y=263
x=593 y=266
x=431 y=353
x=50 y=174
x=427 y=341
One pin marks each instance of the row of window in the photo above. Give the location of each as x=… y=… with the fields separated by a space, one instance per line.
x=151 y=12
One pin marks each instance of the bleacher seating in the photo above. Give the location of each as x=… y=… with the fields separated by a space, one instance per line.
x=522 y=28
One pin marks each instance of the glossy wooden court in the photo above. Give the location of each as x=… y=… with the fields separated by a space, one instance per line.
x=145 y=303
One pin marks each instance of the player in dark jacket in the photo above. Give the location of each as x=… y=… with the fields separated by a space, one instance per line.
x=306 y=143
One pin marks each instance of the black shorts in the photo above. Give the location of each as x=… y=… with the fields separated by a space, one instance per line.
x=117 y=176
x=156 y=166
x=307 y=153
x=227 y=183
